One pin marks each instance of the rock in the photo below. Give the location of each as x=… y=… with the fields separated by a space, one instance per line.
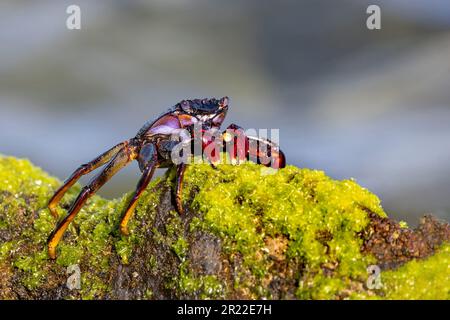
x=248 y=233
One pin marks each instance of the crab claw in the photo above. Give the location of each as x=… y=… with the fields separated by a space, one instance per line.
x=242 y=147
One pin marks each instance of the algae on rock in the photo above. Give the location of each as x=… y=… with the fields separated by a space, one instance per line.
x=247 y=233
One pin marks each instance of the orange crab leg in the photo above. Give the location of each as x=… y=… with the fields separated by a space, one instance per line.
x=121 y=159
x=142 y=184
x=82 y=170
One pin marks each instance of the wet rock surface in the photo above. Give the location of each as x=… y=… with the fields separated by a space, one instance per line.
x=168 y=256
x=393 y=245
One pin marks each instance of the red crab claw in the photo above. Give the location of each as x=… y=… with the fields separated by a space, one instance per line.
x=242 y=147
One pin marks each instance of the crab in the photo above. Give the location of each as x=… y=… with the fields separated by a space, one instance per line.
x=153 y=147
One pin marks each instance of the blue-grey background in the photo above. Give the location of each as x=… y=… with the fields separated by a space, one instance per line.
x=372 y=105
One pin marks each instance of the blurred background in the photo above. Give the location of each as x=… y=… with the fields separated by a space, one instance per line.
x=373 y=105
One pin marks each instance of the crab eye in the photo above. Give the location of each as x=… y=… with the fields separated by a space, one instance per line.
x=224 y=102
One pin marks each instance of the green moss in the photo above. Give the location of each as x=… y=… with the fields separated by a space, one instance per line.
x=180 y=248
x=43 y=225
x=292 y=223
x=148 y=294
x=33 y=267
x=205 y=287
x=69 y=254
x=92 y=287
x=246 y=207
x=6 y=248
x=152 y=264
x=19 y=177
x=92 y=237
x=427 y=279
x=403 y=224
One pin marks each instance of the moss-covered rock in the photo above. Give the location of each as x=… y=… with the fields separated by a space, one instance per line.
x=248 y=232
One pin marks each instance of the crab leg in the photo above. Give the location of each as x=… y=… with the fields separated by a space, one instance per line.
x=142 y=184
x=82 y=170
x=148 y=162
x=181 y=168
x=120 y=160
